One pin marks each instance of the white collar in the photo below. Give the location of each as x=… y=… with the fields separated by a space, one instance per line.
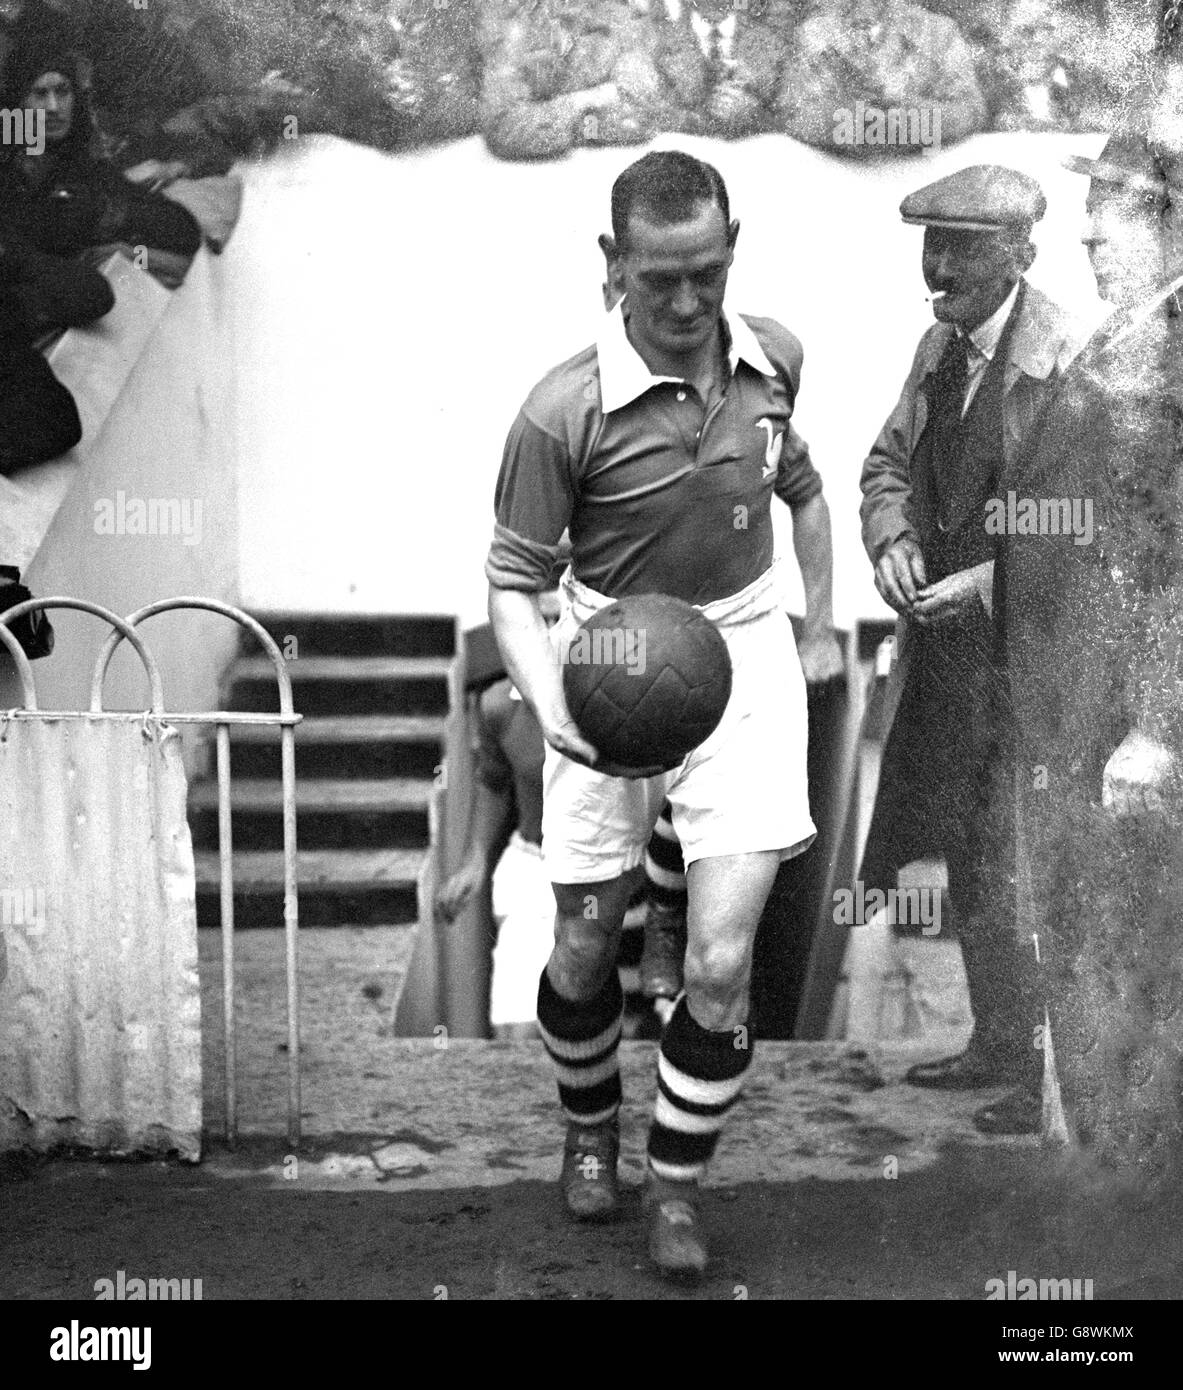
x=986 y=336
x=624 y=375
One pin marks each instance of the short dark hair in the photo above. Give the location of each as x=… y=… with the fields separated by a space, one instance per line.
x=666 y=187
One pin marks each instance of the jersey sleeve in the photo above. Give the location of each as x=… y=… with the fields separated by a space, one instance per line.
x=533 y=502
x=797 y=480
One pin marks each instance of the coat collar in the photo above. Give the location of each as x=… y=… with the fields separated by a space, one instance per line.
x=1042 y=342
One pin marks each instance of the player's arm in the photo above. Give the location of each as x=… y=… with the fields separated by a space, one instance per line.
x=799 y=485
x=524 y=641
x=490 y=814
x=534 y=500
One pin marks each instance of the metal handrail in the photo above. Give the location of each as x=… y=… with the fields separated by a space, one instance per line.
x=286 y=719
x=122 y=626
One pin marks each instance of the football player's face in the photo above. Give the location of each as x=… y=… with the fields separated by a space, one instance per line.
x=675 y=277
x=969 y=273
x=1124 y=236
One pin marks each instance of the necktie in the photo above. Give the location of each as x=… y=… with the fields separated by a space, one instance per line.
x=946 y=397
x=953 y=377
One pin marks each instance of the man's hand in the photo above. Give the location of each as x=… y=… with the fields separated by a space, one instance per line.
x=1135 y=774
x=950 y=600
x=821 y=657
x=451 y=899
x=899 y=574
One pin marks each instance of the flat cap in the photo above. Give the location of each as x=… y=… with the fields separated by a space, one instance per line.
x=982 y=198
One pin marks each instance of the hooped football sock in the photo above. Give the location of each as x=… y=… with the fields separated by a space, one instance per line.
x=582 y=1040
x=700 y=1074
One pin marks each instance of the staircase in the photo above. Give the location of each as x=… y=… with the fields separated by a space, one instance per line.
x=374 y=695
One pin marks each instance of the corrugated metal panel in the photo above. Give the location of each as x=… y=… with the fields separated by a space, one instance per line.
x=100 y=1013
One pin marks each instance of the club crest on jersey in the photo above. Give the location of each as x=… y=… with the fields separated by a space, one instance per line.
x=776 y=442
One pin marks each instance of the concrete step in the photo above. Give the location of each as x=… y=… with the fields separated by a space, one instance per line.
x=339 y=746
x=318 y=794
x=331 y=814
x=336 y=887
x=302 y=635
x=340 y=685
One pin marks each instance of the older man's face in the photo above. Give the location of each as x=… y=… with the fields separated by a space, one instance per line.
x=675 y=277
x=1124 y=233
x=969 y=273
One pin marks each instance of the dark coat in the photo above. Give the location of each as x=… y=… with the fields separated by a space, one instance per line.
x=1092 y=636
x=38 y=417
x=945 y=689
x=81 y=202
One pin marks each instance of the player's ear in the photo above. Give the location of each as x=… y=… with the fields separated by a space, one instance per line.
x=732 y=234
x=613 y=287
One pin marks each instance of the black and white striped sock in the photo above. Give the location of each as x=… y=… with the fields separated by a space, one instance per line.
x=699 y=1077
x=664 y=866
x=582 y=1039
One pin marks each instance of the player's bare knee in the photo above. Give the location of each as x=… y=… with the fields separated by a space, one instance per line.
x=716 y=978
x=584 y=954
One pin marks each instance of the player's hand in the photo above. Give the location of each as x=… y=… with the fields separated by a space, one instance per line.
x=562 y=733
x=454 y=895
x=821 y=657
x=564 y=737
x=899 y=574
x=950 y=600
x=1135 y=773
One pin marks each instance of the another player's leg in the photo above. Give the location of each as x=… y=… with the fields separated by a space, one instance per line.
x=580 y=1005
x=705 y=1051
x=665 y=912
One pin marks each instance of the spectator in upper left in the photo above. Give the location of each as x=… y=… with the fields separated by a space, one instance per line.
x=65 y=200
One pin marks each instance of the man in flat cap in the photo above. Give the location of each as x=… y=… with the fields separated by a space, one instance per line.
x=1091 y=632
x=980 y=376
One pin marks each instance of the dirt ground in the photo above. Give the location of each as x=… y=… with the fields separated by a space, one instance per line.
x=427 y=1171
x=452 y=1196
